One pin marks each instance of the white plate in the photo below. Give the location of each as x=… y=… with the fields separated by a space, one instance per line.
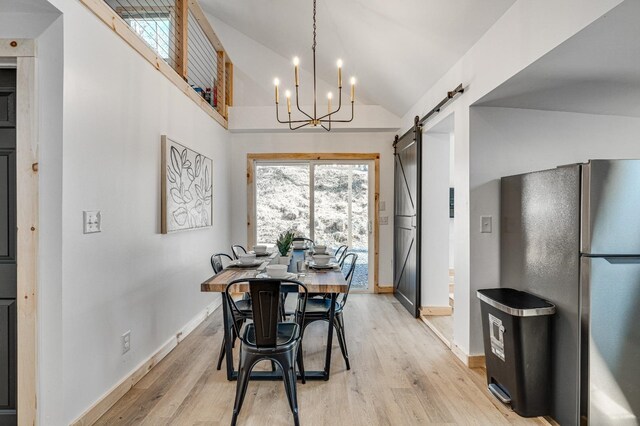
x=288 y=276
x=265 y=254
x=238 y=264
x=329 y=265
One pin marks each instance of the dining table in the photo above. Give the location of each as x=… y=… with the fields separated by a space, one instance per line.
x=328 y=281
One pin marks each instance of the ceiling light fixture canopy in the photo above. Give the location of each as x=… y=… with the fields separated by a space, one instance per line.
x=325 y=120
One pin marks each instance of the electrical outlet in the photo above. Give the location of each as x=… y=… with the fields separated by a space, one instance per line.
x=92 y=221
x=383 y=206
x=485 y=224
x=384 y=220
x=125 y=342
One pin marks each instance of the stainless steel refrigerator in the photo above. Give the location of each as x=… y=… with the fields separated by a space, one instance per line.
x=571 y=235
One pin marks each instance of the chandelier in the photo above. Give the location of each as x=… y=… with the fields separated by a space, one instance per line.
x=314 y=120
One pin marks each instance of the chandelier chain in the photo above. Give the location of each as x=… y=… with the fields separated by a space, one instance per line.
x=314 y=26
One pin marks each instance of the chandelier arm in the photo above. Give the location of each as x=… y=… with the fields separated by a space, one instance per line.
x=298 y=105
x=327 y=129
x=278 y=116
x=288 y=121
x=341 y=121
x=300 y=126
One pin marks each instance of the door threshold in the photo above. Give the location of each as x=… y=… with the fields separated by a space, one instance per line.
x=442 y=326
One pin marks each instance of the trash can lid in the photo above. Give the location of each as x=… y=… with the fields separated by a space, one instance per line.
x=516 y=303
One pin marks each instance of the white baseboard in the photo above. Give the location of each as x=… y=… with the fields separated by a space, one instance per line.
x=106 y=401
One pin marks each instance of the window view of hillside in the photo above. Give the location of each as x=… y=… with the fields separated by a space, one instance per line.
x=282 y=200
x=340 y=206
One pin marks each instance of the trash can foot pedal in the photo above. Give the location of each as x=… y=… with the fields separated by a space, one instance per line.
x=499 y=393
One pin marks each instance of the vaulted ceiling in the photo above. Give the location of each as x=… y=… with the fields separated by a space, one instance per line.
x=397 y=49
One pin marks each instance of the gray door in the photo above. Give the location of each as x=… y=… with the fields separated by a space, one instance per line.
x=7 y=247
x=613 y=285
x=406 y=248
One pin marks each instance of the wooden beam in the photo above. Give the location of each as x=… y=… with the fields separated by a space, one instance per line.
x=27 y=238
x=221 y=84
x=229 y=83
x=314 y=156
x=181 y=36
x=201 y=18
x=122 y=29
x=376 y=226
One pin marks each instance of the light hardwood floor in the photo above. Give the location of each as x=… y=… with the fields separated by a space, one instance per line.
x=401 y=374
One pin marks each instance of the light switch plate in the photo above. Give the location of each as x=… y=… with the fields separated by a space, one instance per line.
x=485 y=224
x=384 y=220
x=125 y=342
x=92 y=221
x=383 y=206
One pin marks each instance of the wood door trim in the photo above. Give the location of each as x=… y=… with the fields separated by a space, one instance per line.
x=338 y=156
x=27 y=224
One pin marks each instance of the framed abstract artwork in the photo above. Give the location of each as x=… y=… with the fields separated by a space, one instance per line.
x=187 y=188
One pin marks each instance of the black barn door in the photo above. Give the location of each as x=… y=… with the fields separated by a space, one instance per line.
x=7 y=247
x=406 y=247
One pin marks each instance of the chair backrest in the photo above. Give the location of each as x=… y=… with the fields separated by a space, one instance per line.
x=340 y=253
x=216 y=262
x=265 y=294
x=237 y=249
x=349 y=276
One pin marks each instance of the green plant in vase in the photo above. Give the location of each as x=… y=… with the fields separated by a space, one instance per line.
x=284 y=242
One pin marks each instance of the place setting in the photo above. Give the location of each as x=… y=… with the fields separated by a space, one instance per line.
x=320 y=260
x=245 y=261
x=277 y=272
x=260 y=251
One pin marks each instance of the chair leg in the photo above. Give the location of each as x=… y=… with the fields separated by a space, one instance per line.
x=287 y=361
x=300 y=359
x=222 y=352
x=339 y=324
x=244 y=373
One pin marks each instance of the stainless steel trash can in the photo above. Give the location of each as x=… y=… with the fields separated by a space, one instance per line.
x=517 y=346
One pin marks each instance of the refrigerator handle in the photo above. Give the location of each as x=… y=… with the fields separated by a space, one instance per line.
x=622 y=260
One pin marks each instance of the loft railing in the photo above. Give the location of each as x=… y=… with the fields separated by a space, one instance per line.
x=178 y=33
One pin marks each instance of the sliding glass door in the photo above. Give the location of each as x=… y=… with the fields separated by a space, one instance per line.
x=328 y=201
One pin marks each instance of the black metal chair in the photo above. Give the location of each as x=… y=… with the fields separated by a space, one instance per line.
x=319 y=310
x=244 y=305
x=340 y=253
x=237 y=249
x=216 y=262
x=268 y=338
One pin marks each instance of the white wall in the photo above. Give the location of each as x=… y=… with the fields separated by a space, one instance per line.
x=50 y=144
x=435 y=219
x=528 y=30
x=508 y=141
x=243 y=143
x=102 y=109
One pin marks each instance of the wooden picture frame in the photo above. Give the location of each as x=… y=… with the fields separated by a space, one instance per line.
x=186 y=188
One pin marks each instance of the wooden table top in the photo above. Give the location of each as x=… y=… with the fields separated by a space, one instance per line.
x=330 y=281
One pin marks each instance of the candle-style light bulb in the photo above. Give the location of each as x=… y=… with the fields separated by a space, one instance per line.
x=353 y=89
x=296 y=64
x=288 y=95
x=276 y=82
x=329 y=97
x=340 y=73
